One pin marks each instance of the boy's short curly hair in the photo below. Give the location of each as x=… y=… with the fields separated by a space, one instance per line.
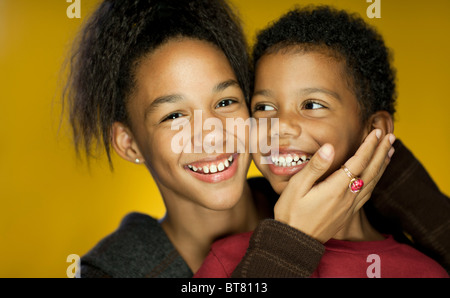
x=115 y=38
x=368 y=60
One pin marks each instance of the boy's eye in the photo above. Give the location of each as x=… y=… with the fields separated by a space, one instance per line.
x=264 y=107
x=311 y=105
x=172 y=116
x=225 y=103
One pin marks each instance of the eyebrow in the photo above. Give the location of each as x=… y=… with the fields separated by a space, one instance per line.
x=301 y=92
x=224 y=85
x=173 y=98
x=308 y=91
x=265 y=93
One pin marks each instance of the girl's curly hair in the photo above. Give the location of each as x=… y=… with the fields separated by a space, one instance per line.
x=114 y=39
x=368 y=61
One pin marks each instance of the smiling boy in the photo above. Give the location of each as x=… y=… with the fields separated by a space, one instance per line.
x=327 y=77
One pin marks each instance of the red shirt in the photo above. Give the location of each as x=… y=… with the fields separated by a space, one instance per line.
x=384 y=258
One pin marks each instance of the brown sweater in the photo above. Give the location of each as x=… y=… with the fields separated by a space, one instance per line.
x=405 y=201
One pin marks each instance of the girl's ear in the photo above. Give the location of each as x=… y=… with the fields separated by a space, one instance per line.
x=124 y=143
x=381 y=120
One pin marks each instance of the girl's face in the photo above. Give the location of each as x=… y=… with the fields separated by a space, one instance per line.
x=178 y=80
x=310 y=94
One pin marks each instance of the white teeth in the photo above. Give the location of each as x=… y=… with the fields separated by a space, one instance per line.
x=205 y=169
x=289 y=160
x=213 y=168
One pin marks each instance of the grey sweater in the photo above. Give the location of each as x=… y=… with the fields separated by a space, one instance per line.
x=138 y=248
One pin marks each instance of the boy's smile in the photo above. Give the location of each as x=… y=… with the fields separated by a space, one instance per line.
x=288 y=161
x=312 y=95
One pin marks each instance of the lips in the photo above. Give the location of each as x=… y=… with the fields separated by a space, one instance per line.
x=214 y=170
x=211 y=167
x=288 y=162
x=289 y=159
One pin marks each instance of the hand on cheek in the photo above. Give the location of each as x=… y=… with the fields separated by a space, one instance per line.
x=322 y=209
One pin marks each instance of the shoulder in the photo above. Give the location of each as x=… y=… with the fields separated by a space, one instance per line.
x=233 y=246
x=414 y=263
x=224 y=256
x=138 y=248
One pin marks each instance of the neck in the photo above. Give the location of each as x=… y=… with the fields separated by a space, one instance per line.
x=359 y=229
x=193 y=228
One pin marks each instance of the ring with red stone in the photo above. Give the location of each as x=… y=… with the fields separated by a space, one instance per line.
x=356 y=183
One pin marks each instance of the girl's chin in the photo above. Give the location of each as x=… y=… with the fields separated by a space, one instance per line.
x=223 y=201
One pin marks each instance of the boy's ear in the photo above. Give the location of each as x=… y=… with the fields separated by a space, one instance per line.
x=381 y=120
x=124 y=143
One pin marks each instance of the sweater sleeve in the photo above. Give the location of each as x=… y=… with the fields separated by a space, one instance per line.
x=407 y=200
x=278 y=250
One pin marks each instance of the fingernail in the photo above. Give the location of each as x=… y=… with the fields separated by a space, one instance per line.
x=392 y=139
x=326 y=151
x=391 y=152
x=378 y=133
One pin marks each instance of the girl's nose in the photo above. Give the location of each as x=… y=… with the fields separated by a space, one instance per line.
x=209 y=133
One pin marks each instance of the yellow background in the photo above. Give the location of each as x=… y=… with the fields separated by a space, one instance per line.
x=53 y=205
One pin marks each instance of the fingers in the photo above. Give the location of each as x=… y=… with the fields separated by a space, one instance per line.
x=316 y=168
x=372 y=174
x=368 y=163
x=359 y=162
x=381 y=158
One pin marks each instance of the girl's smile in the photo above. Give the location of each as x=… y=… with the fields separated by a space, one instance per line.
x=176 y=81
x=214 y=169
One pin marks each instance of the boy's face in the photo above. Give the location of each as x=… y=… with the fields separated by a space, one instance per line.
x=311 y=96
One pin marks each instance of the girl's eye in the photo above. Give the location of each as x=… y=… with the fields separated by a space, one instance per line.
x=225 y=103
x=311 y=105
x=264 y=107
x=172 y=116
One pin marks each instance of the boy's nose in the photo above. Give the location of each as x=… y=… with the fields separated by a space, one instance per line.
x=289 y=125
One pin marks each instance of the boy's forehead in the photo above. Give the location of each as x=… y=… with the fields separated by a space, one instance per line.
x=303 y=48
x=332 y=66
